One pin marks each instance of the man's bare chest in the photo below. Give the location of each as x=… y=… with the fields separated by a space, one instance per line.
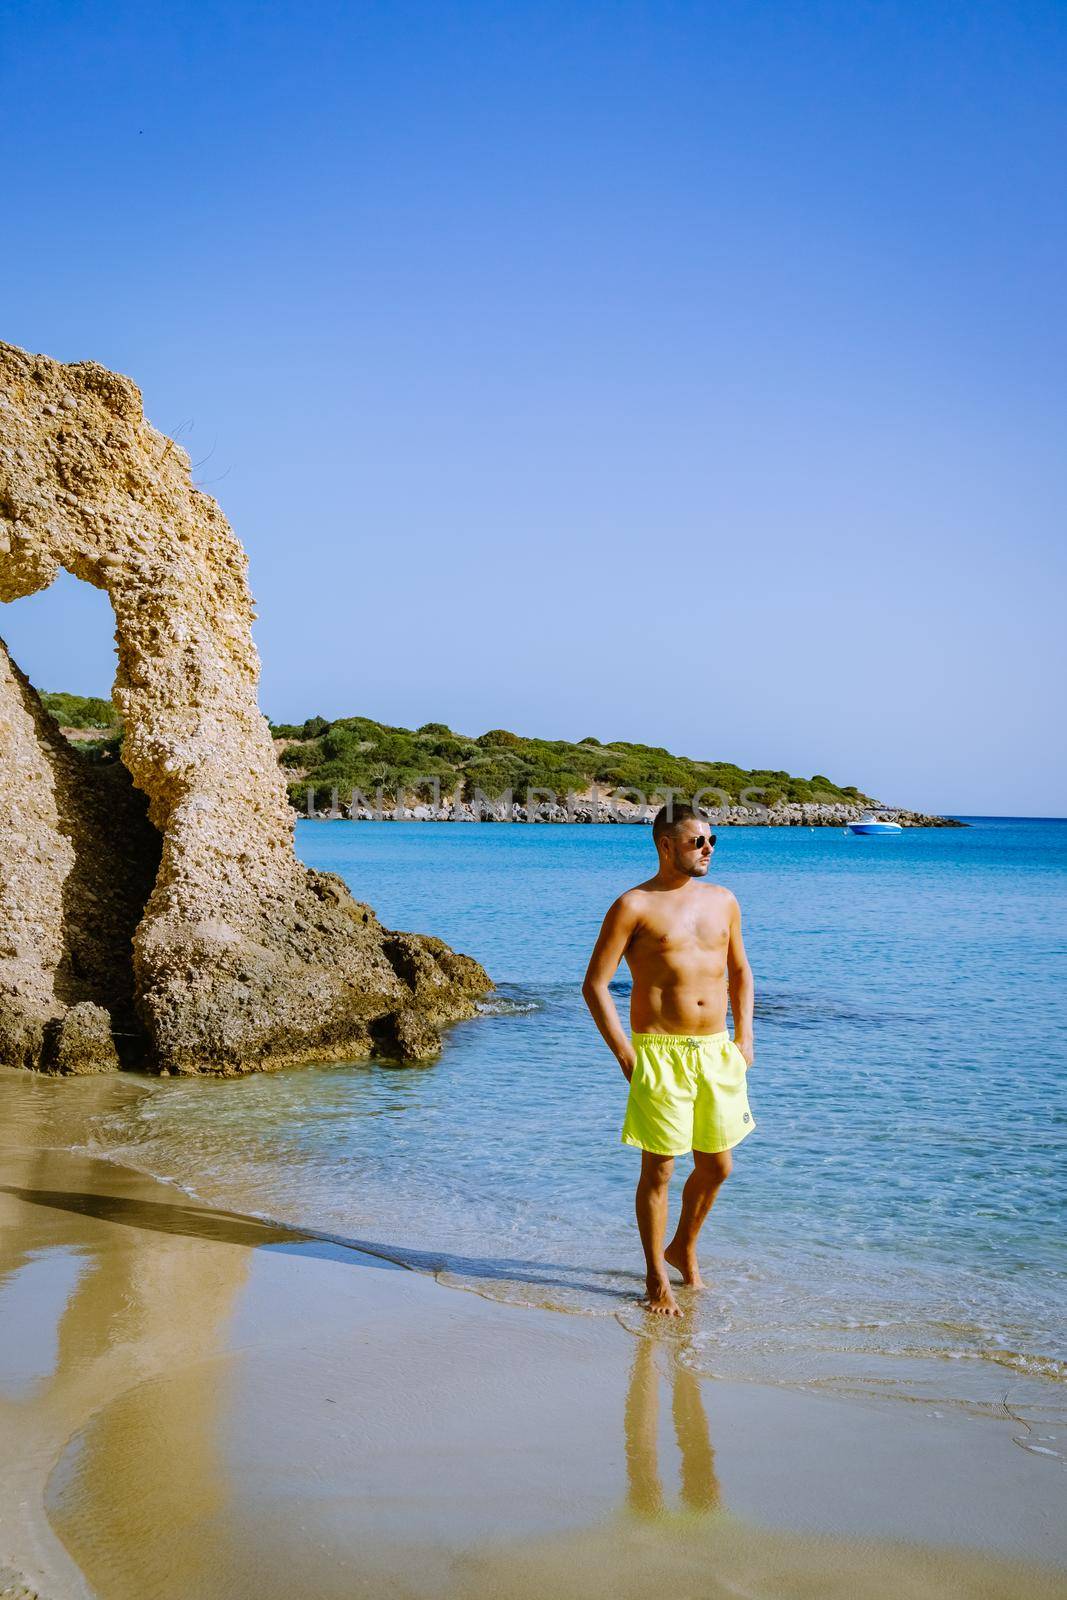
x=701 y=934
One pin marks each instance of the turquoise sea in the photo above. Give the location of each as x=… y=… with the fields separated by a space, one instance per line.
x=895 y=1226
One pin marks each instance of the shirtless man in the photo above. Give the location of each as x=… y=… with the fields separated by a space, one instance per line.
x=682 y=942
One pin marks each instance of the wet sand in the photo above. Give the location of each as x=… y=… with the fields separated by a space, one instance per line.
x=195 y=1404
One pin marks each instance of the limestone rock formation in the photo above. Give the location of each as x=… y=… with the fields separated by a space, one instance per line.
x=173 y=902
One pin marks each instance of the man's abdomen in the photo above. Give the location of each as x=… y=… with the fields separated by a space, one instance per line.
x=696 y=1006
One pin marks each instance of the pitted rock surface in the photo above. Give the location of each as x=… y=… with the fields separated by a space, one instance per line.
x=175 y=902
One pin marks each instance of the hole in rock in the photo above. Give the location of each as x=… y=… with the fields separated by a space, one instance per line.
x=63 y=637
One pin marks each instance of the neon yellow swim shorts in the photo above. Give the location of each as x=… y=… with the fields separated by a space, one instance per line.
x=687 y=1093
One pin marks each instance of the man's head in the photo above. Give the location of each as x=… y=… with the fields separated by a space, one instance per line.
x=684 y=840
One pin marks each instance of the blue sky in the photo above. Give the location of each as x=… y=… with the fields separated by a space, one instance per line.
x=684 y=373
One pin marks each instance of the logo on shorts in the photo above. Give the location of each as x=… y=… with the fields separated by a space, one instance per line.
x=746 y=1117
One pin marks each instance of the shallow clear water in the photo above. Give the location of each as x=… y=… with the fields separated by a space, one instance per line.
x=895 y=1224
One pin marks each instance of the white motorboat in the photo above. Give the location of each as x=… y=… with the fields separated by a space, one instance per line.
x=872 y=824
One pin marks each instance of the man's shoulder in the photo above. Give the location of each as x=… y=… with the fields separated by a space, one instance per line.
x=723 y=896
x=634 y=900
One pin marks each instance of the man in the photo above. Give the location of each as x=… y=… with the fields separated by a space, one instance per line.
x=682 y=942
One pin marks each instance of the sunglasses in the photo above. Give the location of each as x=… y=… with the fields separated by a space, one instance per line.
x=700 y=841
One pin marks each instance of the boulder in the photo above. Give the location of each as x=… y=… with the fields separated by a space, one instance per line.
x=79 y=1042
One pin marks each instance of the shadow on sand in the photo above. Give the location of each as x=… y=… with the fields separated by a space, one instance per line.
x=233 y=1227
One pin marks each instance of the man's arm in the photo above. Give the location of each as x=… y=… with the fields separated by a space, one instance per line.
x=615 y=935
x=742 y=988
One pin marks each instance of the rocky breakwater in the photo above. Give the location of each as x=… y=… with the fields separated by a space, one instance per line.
x=156 y=915
x=583 y=809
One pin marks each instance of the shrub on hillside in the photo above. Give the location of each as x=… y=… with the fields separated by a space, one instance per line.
x=306 y=755
x=81 y=711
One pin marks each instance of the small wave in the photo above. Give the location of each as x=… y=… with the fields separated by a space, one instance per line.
x=564 y=1299
x=1026 y=1364
x=505 y=1006
x=1032 y=1366
x=788 y=1010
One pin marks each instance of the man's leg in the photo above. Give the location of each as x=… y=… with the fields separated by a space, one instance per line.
x=652 y=1190
x=709 y=1174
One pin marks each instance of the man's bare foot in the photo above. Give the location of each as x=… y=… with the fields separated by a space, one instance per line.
x=686 y=1265
x=659 y=1299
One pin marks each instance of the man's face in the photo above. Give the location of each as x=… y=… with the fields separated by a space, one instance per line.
x=690 y=848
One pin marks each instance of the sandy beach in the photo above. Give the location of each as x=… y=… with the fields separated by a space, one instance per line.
x=196 y=1403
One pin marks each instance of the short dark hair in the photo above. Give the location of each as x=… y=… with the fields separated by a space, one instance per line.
x=668 y=819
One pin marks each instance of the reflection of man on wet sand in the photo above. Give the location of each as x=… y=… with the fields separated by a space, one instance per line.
x=699 y=1483
x=682 y=942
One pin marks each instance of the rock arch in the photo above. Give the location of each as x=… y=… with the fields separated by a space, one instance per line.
x=239 y=956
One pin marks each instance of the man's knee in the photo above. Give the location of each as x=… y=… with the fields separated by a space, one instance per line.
x=656 y=1170
x=714 y=1168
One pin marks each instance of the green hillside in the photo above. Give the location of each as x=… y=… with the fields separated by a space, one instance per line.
x=359 y=753
x=356 y=752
